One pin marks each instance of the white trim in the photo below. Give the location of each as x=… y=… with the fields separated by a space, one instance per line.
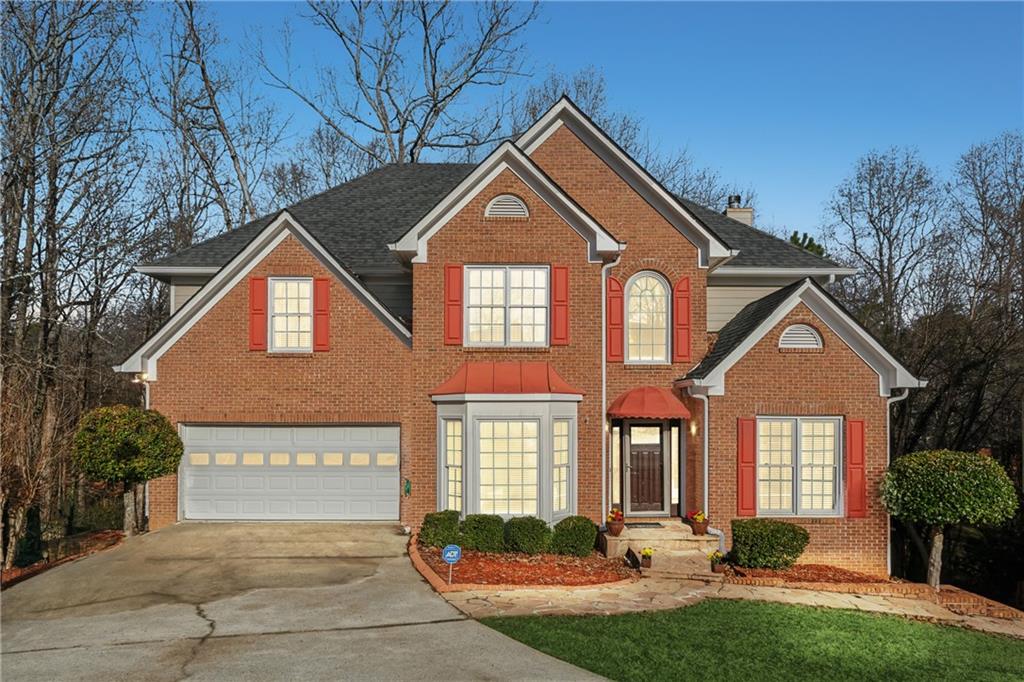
x=891 y=374
x=508 y=398
x=176 y=270
x=800 y=273
x=564 y=112
x=145 y=358
x=668 y=318
x=413 y=244
x=506 y=206
x=802 y=336
x=271 y=346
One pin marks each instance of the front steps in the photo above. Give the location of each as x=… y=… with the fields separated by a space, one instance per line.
x=678 y=553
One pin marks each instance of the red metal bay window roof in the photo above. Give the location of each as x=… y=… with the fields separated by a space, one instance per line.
x=648 y=402
x=505 y=377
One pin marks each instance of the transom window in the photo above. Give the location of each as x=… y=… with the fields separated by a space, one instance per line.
x=506 y=306
x=508 y=467
x=291 y=315
x=798 y=466
x=647 y=322
x=453 y=463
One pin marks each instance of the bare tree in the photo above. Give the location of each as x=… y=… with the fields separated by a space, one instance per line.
x=320 y=161
x=404 y=71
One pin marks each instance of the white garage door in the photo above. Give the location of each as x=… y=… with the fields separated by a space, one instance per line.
x=291 y=472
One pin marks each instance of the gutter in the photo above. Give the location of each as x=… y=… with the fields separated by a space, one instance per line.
x=604 y=387
x=707 y=465
x=889 y=402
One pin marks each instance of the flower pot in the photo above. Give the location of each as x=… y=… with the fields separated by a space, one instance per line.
x=615 y=528
x=699 y=527
x=718 y=568
x=645 y=562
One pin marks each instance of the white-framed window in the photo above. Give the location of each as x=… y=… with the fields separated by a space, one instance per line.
x=453 y=455
x=291 y=314
x=798 y=466
x=647 y=319
x=506 y=305
x=509 y=451
x=561 y=434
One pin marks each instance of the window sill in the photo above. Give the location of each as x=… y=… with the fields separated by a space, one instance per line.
x=506 y=349
x=290 y=354
x=813 y=520
x=646 y=365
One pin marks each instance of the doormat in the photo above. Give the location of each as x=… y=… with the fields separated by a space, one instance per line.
x=646 y=524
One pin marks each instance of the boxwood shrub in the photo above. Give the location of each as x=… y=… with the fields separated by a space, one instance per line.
x=527 y=534
x=440 y=529
x=767 y=543
x=574 y=535
x=483 y=532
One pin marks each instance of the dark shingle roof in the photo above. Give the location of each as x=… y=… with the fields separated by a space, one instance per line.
x=757 y=249
x=354 y=221
x=740 y=327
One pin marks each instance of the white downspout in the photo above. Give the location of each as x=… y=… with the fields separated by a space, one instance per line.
x=707 y=467
x=888 y=460
x=604 y=387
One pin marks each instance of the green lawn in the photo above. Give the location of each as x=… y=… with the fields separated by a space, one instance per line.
x=755 y=641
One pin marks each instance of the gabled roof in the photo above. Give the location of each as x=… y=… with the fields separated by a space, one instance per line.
x=413 y=244
x=144 y=359
x=759 y=317
x=713 y=248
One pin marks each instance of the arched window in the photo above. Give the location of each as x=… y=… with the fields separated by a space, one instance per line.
x=506 y=206
x=800 y=336
x=647 y=320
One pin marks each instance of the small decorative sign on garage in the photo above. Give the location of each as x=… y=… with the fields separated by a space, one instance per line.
x=451 y=554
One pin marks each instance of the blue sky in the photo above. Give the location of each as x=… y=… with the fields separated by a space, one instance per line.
x=782 y=97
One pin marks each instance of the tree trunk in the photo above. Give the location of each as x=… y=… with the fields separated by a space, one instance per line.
x=935 y=558
x=15 y=531
x=141 y=520
x=131 y=523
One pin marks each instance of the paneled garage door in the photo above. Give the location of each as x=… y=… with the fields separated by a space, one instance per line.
x=291 y=472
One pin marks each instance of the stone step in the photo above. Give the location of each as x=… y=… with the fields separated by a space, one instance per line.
x=664 y=542
x=681 y=565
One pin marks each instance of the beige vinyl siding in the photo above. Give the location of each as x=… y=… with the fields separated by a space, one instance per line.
x=180 y=293
x=724 y=302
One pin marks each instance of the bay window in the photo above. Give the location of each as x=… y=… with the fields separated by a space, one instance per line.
x=798 y=466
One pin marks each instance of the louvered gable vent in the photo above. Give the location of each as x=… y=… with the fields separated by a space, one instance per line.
x=506 y=206
x=800 y=336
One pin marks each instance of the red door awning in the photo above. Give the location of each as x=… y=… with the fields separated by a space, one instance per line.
x=648 y=402
x=506 y=378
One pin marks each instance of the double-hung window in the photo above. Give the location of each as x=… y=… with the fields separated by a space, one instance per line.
x=647 y=319
x=453 y=453
x=798 y=466
x=291 y=315
x=506 y=305
x=561 y=430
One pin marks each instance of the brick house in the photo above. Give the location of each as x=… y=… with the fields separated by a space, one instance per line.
x=548 y=332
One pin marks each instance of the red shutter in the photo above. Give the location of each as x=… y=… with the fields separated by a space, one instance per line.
x=257 y=313
x=746 y=467
x=681 y=321
x=615 y=302
x=321 y=314
x=453 y=305
x=856 y=481
x=559 y=305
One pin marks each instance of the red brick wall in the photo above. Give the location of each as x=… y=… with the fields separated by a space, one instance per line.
x=211 y=376
x=653 y=244
x=832 y=382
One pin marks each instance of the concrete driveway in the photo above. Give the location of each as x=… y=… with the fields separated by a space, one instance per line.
x=251 y=601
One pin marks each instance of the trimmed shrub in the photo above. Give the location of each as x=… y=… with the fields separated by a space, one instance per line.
x=574 y=535
x=127 y=445
x=440 y=529
x=527 y=534
x=483 y=532
x=767 y=543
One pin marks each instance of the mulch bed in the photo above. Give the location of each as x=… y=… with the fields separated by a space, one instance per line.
x=88 y=543
x=810 y=573
x=524 y=569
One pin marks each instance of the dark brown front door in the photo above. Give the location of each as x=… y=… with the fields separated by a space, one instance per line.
x=646 y=477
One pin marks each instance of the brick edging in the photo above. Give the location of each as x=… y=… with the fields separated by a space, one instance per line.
x=442 y=587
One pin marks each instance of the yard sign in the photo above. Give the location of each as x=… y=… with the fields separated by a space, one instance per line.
x=451 y=554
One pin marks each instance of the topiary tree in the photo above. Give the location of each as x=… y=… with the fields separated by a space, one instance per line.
x=939 y=488
x=126 y=445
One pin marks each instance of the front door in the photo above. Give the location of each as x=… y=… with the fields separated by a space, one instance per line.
x=646 y=468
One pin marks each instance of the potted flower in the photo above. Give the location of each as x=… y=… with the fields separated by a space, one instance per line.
x=698 y=521
x=717 y=560
x=645 y=557
x=616 y=522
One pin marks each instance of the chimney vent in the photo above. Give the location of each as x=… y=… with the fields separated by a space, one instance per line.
x=737 y=211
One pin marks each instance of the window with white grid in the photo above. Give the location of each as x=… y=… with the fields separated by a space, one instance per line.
x=453 y=463
x=508 y=467
x=560 y=430
x=506 y=306
x=798 y=466
x=647 y=321
x=291 y=315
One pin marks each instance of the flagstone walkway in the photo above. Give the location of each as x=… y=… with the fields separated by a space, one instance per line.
x=651 y=594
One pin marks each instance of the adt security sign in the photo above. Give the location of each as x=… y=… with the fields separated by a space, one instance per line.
x=451 y=554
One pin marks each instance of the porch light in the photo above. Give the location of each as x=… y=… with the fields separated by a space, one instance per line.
x=693 y=428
